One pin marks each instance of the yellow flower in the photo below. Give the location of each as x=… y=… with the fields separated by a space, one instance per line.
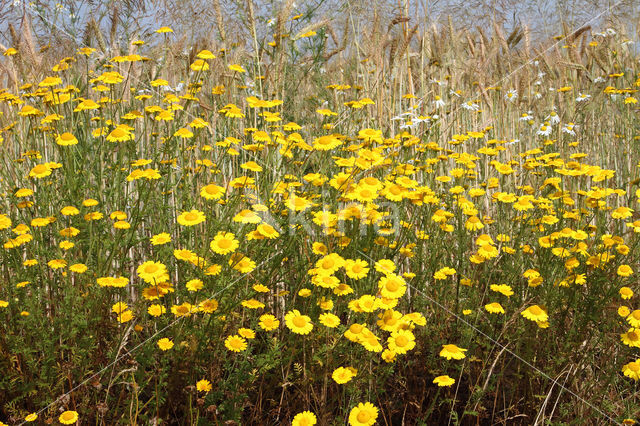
x=78 y=268
x=66 y=245
x=205 y=54
x=57 y=263
x=183 y=310
x=247 y=333
x=626 y=293
x=260 y=288
x=183 y=133
x=156 y=310
x=298 y=323
x=191 y=218
x=252 y=304
x=224 y=243
x=194 y=285
x=199 y=65
x=119 y=307
x=160 y=239
x=631 y=338
x=66 y=139
x=452 y=352
x=444 y=381
x=327 y=112
x=392 y=286
x=268 y=322
x=236 y=68
x=165 y=344
x=120 y=134
x=401 y=341
x=494 y=308
x=39 y=171
x=50 y=82
x=267 y=231
x=153 y=272
x=31 y=417
x=235 y=343
x=213 y=269
x=203 y=385
x=242 y=263
x=535 y=313
x=208 y=306
x=212 y=192
x=632 y=369
x=343 y=375
x=304 y=292
x=624 y=270
x=329 y=320
x=388 y=356
x=122 y=224
x=443 y=273
x=502 y=288
x=634 y=318
x=364 y=414
x=184 y=254
x=622 y=213
x=23 y=192
x=68 y=417
x=326 y=143
x=297 y=203
x=329 y=264
x=356 y=269
x=305 y=418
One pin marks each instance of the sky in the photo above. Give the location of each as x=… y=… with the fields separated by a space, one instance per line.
x=196 y=18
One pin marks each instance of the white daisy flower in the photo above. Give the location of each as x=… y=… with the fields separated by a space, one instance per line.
x=583 y=97
x=553 y=118
x=471 y=106
x=526 y=116
x=545 y=129
x=569 y=128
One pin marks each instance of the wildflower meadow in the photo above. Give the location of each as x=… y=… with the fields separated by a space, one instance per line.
x=327 y=222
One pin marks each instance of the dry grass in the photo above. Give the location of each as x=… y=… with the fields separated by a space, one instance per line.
x=515 y=370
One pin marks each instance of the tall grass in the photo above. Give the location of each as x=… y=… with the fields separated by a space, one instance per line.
x=199 y=240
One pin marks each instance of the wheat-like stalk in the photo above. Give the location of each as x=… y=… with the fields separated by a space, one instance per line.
x=220 y=21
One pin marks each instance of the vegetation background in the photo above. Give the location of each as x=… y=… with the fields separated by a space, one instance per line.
x=61 y=330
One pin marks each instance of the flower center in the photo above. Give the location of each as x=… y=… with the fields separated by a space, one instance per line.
x=363 y=416
x=392 y=285
x=327 y=264
x=150 y=269
x=401 y=341
x=299 y=322
x=355 y=328
x=224 y=243
x=191 y=216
